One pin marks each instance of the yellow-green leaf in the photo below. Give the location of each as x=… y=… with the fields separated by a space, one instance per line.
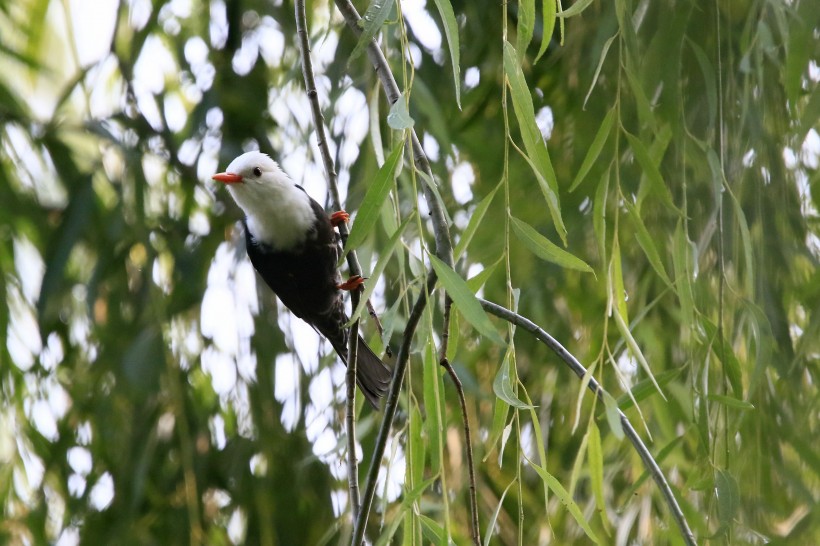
x=546 y=249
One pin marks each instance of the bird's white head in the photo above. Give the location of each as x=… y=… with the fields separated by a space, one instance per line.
x=278 y=212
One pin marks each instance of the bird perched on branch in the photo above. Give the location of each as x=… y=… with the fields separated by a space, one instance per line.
x=293 y=246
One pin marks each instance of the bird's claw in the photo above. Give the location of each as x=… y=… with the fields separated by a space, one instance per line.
x=352 y=283
x=338 y=218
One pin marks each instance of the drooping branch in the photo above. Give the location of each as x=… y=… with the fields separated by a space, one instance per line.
x=578 y=369
x=352 y=259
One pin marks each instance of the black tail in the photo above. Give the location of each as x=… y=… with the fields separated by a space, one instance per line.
x=372 y=376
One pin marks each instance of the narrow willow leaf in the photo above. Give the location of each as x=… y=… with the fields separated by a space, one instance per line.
x=416 y=448
x=746 y=239
x=642 y=105
x=488 y=534
x=728 y=497
x=613 y=416
x=646 y=243
x=566 y=499
x=650 y=169
x=399 y=116
x=500 y=412
x=534 y=144
x=544 y=248
x=526 y=26
x=724 y=352
x=604 y=51
x=548 y=24
x=434 y=531
x=730 y=402
x=381 y=263
x=575 y=9
x=475 y=220
x=646 y=388
x=683 y=276
x=373 y=199
x=465 y=300
x=595 y=456
x=616 y=281
x=445 y=9
x=539 y=439
x=549 y=196
x=375 y=131
x=594 y=149
x=710 y=86
x=432 y=402
x=503 y=384
x=636 y=350
x=580 y=457
x=374 y=17
x=477 y=281
x=599 y=216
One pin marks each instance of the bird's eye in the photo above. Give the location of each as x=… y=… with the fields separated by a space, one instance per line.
x=257 y=171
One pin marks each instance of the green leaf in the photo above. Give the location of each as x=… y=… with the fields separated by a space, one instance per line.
x=595 y=456
x=604 y=51
x=730 y=402
x=433 y=387
x=384 y=257
x=646 y=243
x=650 y=169
x=575 y=9
x=548 y=25
x=646 y=387
x=445 y=9
x=477 y=281
x=635 y=350
x=534 y=144
x=724 y=352
x=488 y=534
x=465 y=300
x=545 y=249
x=399 y=116
x=566 y=499
x=503 y=384
x=594 y=149
x=708 y=72
x=372 y=203
x=374 y=17
x=526 y=25
x=599 y=216
x=613 y=415
x=728 y=497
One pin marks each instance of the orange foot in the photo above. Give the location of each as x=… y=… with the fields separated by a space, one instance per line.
x=338 y=218
x=352 y=283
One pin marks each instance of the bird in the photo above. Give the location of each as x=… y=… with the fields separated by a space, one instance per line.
x=292 y=244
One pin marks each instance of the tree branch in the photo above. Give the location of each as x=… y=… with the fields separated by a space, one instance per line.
x=352 y=259
x=579 y=370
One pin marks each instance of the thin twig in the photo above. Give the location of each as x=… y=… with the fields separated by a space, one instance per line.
x=352 y=260
x=579 y=370
x=390 y=408
x=475 y=531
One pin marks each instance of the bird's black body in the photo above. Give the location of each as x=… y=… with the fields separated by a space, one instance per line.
x=305 y=280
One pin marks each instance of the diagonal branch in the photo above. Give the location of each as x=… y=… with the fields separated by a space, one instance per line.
x=579 y=370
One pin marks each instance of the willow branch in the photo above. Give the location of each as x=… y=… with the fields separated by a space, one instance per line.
x=444 y=246
x=352 y=260
x=390 y=407
x=578 y=369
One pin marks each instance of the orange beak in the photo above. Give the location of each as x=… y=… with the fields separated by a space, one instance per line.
x=227 y=178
